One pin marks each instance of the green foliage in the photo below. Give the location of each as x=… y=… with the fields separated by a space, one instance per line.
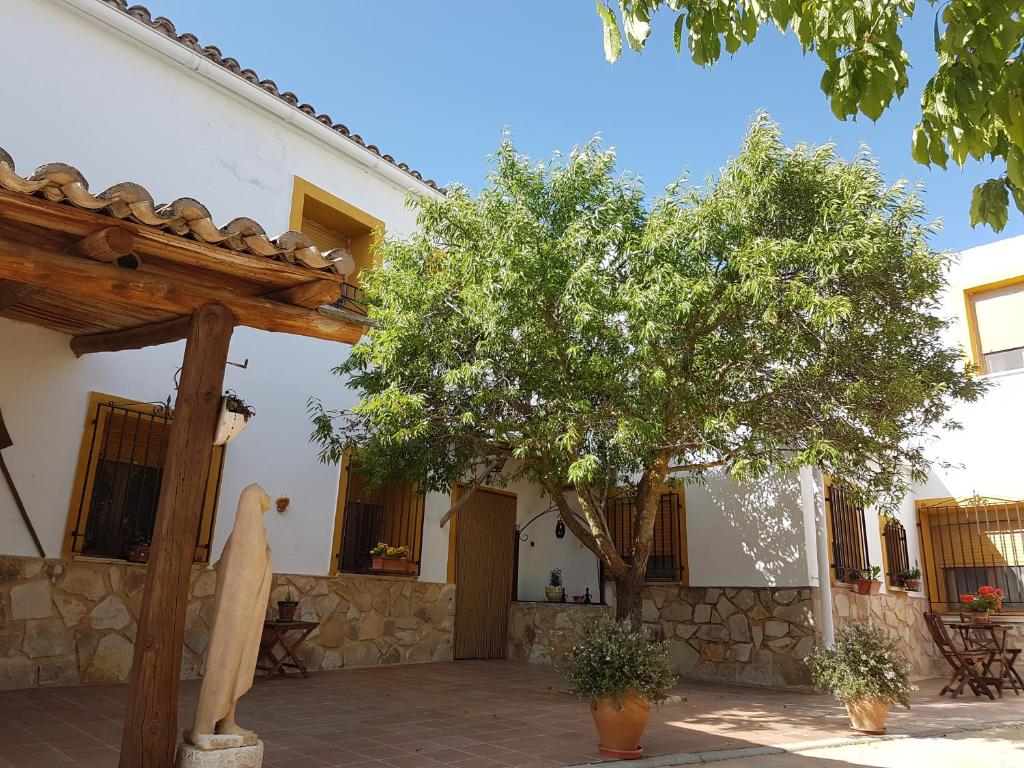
x=612 y=658
x=555 y=577
x=973 y=107
x=866 y=663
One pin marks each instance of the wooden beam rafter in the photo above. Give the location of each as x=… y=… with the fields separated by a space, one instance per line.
x=44 y=268
x=132 y=338
x=315 y=293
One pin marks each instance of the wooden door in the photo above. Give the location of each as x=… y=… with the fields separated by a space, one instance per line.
x=485 y=545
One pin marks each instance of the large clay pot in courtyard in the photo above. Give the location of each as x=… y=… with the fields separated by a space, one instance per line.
x=619 y=730
x=868 y=715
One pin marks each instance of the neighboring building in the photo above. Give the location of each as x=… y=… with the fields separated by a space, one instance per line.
x=744 y=582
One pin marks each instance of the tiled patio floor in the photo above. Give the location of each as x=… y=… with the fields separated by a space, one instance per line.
x=466 y=714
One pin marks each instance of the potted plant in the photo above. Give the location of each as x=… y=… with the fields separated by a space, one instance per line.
x=910 y=579
x=234 y=417
x=391 y=559
x=554 y=591
x=982 y=605
x=138 y=552
x=286 y=608
x=869 y=584
x=866 y=671
x=621 y=671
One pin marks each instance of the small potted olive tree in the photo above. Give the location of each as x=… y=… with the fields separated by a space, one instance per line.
x=866 y=671
x=621 y=671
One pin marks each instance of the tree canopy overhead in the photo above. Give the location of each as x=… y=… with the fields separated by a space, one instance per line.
x=780 y=315
x=973 y=107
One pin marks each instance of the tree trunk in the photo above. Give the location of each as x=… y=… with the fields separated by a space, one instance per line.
x=628 y=600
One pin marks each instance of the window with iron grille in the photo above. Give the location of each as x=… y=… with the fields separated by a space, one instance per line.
x=392 y=513
x=666 y=562
x=897 y=558
x=116 y=492
x=850 y=558
x=970 y=544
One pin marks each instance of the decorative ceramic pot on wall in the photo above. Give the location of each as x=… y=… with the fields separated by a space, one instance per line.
x=868 y=715
x=619 y=730
x=554 y=594
x=229 y=424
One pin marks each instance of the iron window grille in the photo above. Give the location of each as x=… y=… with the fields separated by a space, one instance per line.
x=897 y=557
x=666 y=561
x=850 y=559
x=972 y=543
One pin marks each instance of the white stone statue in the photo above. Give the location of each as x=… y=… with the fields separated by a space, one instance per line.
x=243 y=587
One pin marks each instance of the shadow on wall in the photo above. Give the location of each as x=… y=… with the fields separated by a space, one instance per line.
x=749 y=535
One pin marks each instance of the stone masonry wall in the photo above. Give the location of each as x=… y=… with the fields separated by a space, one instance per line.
x=74 y=622
x=757 y=636
x=544 y=633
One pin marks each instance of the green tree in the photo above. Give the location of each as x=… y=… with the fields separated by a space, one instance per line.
x=781 y=315
x=973 y=107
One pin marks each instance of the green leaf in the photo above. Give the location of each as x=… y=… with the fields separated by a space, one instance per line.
x=612 y=36
x=677 y=33
x=989 y=204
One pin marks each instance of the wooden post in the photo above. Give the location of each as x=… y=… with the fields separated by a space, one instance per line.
x=150 y=726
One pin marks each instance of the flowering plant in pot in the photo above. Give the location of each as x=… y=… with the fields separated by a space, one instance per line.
x=388 y=558
x=982 y=605
x=866 y=671
x=555 y=591
x=910 y=579
x=868 y=581
x=621 y=671
x=286 y=608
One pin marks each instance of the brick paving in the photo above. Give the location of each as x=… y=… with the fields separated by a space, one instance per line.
x=465 y=714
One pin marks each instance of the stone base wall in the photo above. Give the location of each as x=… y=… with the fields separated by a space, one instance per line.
x=74 y=622
x=756 y=636
x=750 y=635
x=544 y=633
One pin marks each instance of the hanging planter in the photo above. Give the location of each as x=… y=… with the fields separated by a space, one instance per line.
x=234 y=417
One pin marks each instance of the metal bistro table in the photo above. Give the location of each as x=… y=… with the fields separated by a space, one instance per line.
x=289 y=635
x=992 y=636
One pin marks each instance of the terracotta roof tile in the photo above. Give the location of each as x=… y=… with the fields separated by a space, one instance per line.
x=186 y=216
x=213 y=53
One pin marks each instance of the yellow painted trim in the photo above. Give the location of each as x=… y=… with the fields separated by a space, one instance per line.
x=339 y=512
x=971 y=317
x=85 y=477
x=303 y=189
x=924 y=539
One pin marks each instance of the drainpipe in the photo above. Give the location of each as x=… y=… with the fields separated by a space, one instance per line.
x=812 y=491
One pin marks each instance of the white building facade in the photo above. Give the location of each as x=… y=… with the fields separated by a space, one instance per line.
x=746 y=580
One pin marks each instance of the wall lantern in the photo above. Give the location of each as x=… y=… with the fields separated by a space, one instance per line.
x=560 y=529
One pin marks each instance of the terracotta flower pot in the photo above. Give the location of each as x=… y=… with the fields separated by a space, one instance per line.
x=619 y=730
x=980 y=616
x=868 y=586
x=390 y=564
x=286 y=610
x=868 y=715
x=912 y=585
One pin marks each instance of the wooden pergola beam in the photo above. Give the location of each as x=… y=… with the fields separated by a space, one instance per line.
x=316 y=293
x=132 y=338
x=48 y=269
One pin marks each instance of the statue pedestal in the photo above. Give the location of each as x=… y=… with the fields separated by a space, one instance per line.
x=250 y=756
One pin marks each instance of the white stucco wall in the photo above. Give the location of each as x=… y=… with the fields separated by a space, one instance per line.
x=118 y=111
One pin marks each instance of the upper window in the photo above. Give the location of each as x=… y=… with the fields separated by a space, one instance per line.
x=117 y=488
x=997 y=319
x=368 y=515
x=667 y=560
x=848 y=534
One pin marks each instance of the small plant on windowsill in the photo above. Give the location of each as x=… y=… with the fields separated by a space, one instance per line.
x=910 y=579
x=286 y=608
x=868 y=581
x=138 y=550
x=555 y=591
x=980 y=607
x=390 y=559
x=866 y=671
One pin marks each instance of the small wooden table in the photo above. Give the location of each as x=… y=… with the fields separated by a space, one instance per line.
x=990 y=636
x=276 y=633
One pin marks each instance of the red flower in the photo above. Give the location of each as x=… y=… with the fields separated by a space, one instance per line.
x=966 y=598
x=999 y=591
x=986 y=590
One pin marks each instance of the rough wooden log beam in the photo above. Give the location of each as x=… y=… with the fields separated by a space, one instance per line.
x=316 y=293
x=150 y=726
x=49 y=269
x=11 y=293
x=132 y=338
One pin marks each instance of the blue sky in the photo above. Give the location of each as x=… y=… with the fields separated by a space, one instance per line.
x=435 y=83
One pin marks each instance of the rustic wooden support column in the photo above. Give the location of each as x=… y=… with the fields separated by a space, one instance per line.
x=150 y=726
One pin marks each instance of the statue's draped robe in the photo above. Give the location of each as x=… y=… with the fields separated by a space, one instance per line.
x=243 y=588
